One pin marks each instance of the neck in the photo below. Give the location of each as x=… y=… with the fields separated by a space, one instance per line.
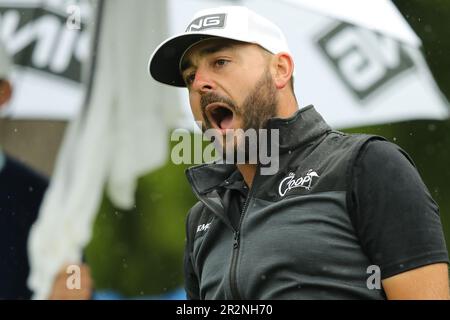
x=248 y=172
x=289 y=107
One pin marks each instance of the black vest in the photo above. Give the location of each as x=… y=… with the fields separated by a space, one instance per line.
x=296 y=239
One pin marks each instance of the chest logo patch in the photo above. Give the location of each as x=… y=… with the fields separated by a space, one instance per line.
x=203 y=227
x=291 y=182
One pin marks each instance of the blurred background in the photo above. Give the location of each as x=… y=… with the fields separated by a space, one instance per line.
x=136 y=247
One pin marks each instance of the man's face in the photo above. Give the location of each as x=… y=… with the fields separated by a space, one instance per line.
x=230 y=85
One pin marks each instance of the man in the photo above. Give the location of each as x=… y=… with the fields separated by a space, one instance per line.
x=341 y=210
x=21 y=192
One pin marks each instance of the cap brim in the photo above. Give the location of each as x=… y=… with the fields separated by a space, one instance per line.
x=165 y=60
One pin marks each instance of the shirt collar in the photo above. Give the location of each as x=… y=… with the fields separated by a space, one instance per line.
x=300 y=129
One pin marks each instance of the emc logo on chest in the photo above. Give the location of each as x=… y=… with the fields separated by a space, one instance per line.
x=203 y=227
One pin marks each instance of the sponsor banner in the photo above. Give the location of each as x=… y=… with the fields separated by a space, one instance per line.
x=48 y=42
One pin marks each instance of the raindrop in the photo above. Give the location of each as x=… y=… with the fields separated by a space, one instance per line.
x=394 y=139
x=432 y=127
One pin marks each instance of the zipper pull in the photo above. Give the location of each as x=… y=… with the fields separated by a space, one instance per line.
x=236 y=240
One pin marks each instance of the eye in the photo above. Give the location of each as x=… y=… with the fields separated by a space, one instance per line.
x=221 y=62
x=190 y=78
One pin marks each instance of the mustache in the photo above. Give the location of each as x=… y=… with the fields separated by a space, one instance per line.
x=212 y=97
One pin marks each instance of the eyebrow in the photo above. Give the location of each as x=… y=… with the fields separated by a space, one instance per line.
x=186 y=64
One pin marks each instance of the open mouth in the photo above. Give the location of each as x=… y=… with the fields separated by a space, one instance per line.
x=220 y=116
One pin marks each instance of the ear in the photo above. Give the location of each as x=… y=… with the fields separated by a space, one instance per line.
x=284 y=67
x=5 y=92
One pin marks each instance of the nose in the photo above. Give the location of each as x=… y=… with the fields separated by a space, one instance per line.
x=202 y=82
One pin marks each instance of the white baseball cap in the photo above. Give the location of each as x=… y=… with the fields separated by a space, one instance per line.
x=230 y=22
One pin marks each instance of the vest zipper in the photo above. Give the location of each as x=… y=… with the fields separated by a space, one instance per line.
x=236 y=244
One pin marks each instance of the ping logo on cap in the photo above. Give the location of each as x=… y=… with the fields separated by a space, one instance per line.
x=210 y=21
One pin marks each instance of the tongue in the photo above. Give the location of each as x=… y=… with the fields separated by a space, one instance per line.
x=226 y=122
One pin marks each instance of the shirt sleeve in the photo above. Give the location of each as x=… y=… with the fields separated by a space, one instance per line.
x=395 y=217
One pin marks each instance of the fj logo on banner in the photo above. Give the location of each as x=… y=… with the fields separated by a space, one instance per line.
x=211 y=21
x=290 y=182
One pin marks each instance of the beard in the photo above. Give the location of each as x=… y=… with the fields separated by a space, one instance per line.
x=259 y=106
